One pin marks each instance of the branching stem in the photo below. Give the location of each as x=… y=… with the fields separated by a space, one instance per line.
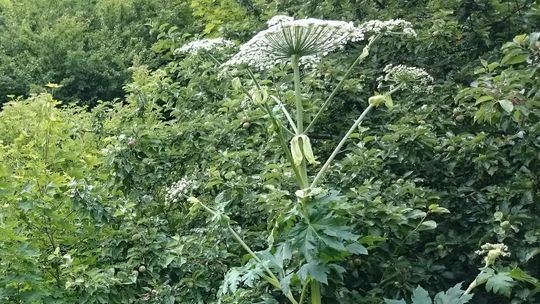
x=338 y=147
x=271 y=278
x=358 y=60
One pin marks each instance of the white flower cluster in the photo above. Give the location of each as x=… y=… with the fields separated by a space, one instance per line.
x=416 y=79
x=309 y=39
x=178 y=190
x=492 y=252
x=278 y=19
x=389 y=26
x=204 y=45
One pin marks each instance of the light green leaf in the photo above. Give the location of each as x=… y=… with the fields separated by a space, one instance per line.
x=507 y=105
x=520 y=275
x=377 y=100
x=514 y=57
x=388 y=102
x=483 y=98
x=435 y=208
x=428 y=225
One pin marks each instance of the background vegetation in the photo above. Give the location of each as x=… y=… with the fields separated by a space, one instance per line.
x=83 y=214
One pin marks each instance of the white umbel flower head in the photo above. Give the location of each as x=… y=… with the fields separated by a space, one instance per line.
x=178 y=190
x=311 y=38
x=204 y=45
x=392 y=26
x=492 y=252
x=416 y=79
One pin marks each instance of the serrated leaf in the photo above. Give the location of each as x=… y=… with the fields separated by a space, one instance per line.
x=454 y=295
x=484 y=275
x=314 y=270
x=231 y=281
x=285 y=284
x=500 y=283
x=252 y=275
x=333 y=243
x=421 y=296
x=356 y=248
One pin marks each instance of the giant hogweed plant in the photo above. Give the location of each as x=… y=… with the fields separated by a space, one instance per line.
x=307 y=243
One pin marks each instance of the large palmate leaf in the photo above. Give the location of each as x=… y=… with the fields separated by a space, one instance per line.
x=454 y=295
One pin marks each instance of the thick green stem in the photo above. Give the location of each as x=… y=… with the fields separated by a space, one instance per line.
x=474 y=283
x=279 y=127
x=358 y=60
x=338 y=147
x=315 y=292
x=299 y=116
x=298 y=96
x=303 y=294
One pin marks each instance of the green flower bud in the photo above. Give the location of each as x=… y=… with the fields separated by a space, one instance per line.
x=296 y=151
x=236 y=84
x=377 y=100
x=260 y=96
x=306 y=147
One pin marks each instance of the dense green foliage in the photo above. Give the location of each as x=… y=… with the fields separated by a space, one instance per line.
x=84 y=213
x=86 y=46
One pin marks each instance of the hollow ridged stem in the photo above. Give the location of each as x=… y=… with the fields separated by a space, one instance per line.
x=299 y=116
x=315 y=292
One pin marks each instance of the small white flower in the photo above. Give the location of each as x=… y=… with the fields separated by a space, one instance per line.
x=278 y=19
x=204 y=45
x=416 y=79
x=389 y=26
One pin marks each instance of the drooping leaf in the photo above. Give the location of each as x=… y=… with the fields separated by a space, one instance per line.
x=520 y=275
